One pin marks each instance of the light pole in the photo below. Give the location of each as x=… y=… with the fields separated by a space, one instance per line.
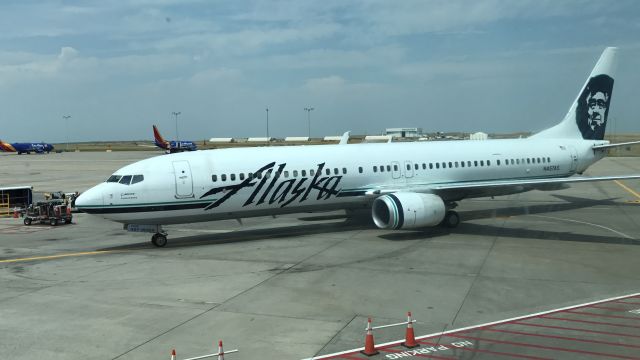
x=309 y=110
x=177 y=136
x=267 y=109
x=66 y=121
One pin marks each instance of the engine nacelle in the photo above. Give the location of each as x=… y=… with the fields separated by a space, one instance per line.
x=407 y=210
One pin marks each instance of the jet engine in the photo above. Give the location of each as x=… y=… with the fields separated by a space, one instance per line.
x=407 y=210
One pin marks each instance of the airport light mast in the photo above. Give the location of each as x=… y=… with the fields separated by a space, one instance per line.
x=177 y=136
x=308 y=110
x=267 y=109
x=66 y=121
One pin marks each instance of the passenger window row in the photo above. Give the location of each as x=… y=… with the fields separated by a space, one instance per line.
x=286 y=174
x=126 y=179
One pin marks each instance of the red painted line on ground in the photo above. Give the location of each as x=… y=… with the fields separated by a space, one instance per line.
x=609 y=308
x=603 y=315
x=350 y=357
x=626 y=302
x=591 y=322
x=491 y=352
x=578 y=329
x=514 y=343
x=563 y=338
x=419 y=355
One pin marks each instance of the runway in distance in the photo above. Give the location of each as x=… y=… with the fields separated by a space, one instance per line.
x=406 y=185
x=172 y=146
x=26 y=148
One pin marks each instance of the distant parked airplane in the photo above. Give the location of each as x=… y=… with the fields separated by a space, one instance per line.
x=26 y=148
x=172 y=146
x=406 y=185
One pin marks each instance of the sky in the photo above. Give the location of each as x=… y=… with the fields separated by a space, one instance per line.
x=119 y=66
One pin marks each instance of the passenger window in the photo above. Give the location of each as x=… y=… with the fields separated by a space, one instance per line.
x=328 y=171
x=456 y=164
x=286 y=174
x=408 y=166
x=518 y=161
x=136 y=179
x=469 y=163
x=444 y=165
x=250 y=175
x=424 y=166
x=295 y=173
x=303 y=172
x=335 y=171
x=548 y=159
x=344 y=171
x=259 y=175
x=381 y=168
x=223 y=177
x=430 y=165
x=233 y=177
x=395 y=167
x=489 y=162
x=481 y=162
x=214 y=178
x=416 y=166
x=475 y=163
x=528 y=161
x=437 y=165
x=312 y=172
x=461 y=163
x=388 y=167
x=125 y=180
x=241 y=176
x=114 y=178
x=360 y=169
x=498 y=162
x=375 y=169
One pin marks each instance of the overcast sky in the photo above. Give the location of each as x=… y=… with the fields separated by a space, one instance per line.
x=117 y=67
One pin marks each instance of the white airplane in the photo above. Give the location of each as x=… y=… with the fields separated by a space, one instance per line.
x=406 y=185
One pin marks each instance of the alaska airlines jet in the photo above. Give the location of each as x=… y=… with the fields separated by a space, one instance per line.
x=405 y=185
x=172 y=146
x=26 y=148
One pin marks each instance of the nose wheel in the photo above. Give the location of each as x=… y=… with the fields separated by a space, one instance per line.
x=159 y=240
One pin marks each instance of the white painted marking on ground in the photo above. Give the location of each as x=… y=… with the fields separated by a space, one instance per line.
x=587 y=223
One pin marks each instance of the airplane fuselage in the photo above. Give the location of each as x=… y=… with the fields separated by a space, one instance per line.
x=222 y=184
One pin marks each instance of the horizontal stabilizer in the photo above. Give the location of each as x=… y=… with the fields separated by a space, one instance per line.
x=609 y=146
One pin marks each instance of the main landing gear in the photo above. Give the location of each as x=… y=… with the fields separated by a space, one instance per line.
x=159 y=239
x=451 y=218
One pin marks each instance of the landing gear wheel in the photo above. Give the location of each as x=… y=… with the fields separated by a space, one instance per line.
x=159 y=240
x=53 y=222
x=27 y=221
x=451 y=219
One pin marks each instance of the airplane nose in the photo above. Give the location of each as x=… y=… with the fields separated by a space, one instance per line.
x=89 y=198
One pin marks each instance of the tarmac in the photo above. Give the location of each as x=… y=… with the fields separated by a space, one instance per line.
x=302 y=285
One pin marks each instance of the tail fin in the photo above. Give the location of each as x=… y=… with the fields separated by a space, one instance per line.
x=160 y=141
x=587 y=116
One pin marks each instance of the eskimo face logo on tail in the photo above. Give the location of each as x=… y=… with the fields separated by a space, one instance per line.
x=593 y=107
x=270 y=189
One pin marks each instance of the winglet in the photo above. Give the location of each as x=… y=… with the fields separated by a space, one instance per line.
x=345 y=138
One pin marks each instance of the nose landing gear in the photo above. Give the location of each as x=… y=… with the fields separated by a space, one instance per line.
x=159 y=239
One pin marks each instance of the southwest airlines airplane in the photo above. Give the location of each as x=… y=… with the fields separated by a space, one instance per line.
x=406 y=185
x=172 y=146
x=26 y=148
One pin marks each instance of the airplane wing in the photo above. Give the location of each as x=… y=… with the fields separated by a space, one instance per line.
x=454 y=191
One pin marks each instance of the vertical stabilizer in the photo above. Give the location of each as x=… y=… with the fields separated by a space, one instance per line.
x=159 y=140
x=587 y=116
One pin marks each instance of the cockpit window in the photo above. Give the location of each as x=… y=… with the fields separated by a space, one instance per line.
x=136 y=179
x=125 y=180
x=114 y=178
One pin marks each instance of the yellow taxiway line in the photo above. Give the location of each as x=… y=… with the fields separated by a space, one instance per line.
x=51 y=257
x=631 y=191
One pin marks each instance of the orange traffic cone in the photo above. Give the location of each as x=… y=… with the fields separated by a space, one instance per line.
x=369 y=346
x=173 y=354
x=410 y=338
x=220 y=351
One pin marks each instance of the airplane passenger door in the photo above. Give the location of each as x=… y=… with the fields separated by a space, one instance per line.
x=396 y=172
x=408 y=169
x=574 y=159
x=184 y=182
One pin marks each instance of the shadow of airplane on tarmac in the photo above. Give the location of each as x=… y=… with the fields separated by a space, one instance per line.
x=345 y=223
